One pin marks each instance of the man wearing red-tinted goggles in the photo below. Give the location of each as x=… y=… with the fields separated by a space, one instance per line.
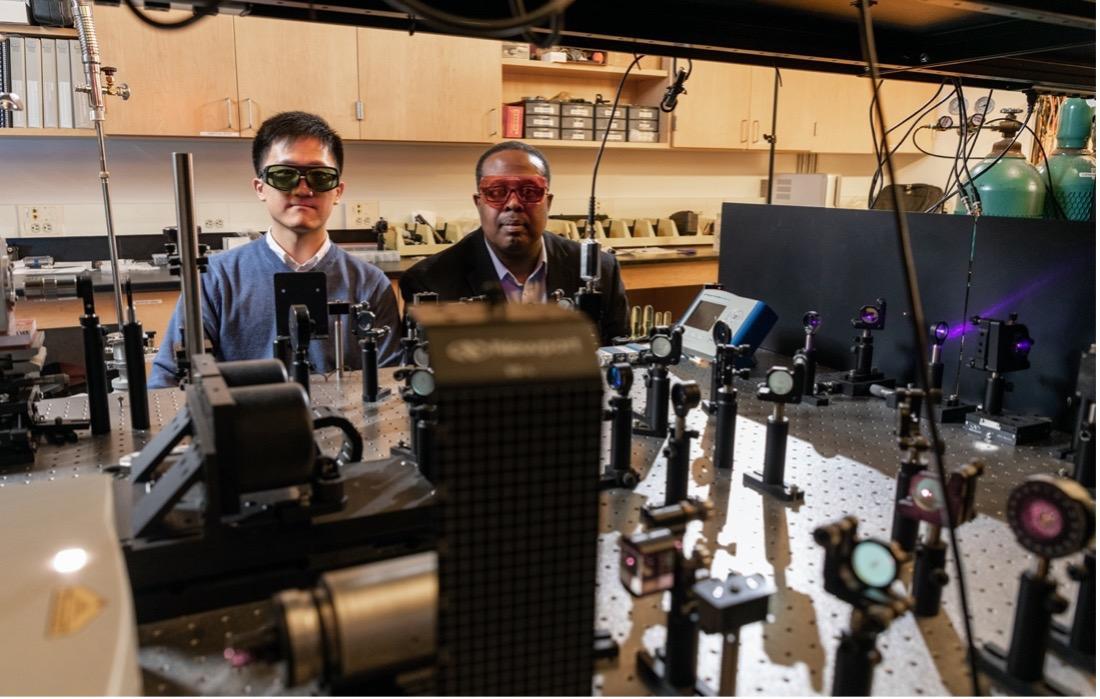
x=512 y=249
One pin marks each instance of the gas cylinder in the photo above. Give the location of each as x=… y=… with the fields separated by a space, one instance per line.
x=1010 y=186
x=1072 y=168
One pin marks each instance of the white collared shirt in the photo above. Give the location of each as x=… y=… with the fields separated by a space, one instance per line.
x=531 y=291
x=290 y=261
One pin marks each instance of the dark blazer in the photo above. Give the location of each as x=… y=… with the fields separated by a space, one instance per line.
x=462 y=269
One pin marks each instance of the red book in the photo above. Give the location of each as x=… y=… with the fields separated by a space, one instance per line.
x=513 y=121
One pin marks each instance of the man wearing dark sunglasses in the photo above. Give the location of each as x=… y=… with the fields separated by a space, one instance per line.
x=512 y=249
x=298 y=160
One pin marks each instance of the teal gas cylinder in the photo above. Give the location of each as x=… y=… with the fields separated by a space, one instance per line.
x=1011 y=187
x=1072 y=168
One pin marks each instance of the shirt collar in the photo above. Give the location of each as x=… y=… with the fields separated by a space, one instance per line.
x=290 y=261
x=504 y=273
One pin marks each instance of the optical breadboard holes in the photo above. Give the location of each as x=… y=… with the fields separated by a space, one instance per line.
x=40 y=220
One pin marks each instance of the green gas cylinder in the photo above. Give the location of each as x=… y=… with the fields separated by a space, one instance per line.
x=1009 y=186
x=1072 y=168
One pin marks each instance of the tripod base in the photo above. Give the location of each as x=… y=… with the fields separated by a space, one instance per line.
x=1059 y=644
x=951 y=414
x=992 y=660
x=779 y=491
x=652 y=671
x=611 y=479
x=1008 y=429
x=854 y=386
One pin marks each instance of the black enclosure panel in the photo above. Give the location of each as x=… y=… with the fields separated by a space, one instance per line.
x=835 y=260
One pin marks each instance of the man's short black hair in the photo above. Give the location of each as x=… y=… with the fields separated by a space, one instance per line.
x=294 y=125
x=513 y=145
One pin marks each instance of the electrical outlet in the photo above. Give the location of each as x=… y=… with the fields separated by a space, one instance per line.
x=38 y=220
x=361 y=214
x=213 y=225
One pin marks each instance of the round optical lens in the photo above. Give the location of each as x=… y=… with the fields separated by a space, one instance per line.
x=1041 y=519
x=780 y=382
x=939 y=331
x=364 y=321
x=661 y=347
x=614 y=377
x=811 y=321
x=1023 y=345
x=927 y=494
x=722 y=333
x=420 y=357
x=873 y=564
x=422 y=383
x=869 y=315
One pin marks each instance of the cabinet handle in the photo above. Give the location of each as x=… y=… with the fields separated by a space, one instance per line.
x=248 y=101
x=359 y=110
x=815 y=128
x=744 y=130
x=492 y=121
x=755 y=130
x=229 y=113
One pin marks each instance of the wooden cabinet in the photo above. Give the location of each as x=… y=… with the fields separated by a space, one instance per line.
x=901 y=99
x=184 y=82
x=714 y=113
x=429 y=87
x=798 y=109
x=306 y=66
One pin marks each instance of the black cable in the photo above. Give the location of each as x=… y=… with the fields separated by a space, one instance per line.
x=964 y=123
x=924 y=110
x=591 y=224
x=920 y=331
x=937 y=155
x=668 y=102
x=557 y=22
x=206 y=9
x=475 y=26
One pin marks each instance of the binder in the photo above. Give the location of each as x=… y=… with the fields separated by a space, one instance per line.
x=18 y=78
x=33 y=102
x=49 y=83
x=64 y=85
x=81 y=118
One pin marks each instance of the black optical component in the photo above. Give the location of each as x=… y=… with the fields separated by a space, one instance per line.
x=686 y=396
x=1002 y=346
x=286 y=177
x=721 y=333
x=811 y=322
x=620 y=377
x=939 y=332
x=1051 y=517
x=871 y=317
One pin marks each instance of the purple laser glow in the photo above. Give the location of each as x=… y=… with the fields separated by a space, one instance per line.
x=1011 y=300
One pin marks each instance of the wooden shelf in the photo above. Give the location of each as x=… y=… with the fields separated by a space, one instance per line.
x=519 y=66
x=27 y=30
x=550 y=143
x=70 y=133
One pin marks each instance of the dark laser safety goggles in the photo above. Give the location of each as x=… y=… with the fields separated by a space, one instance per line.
x=286 y=177
x=495 y=190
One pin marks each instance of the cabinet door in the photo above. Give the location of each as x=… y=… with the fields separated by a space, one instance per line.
x=427 y=87
x=840 y=113
x=283 y=66
x=797 y=108
x=184 y=82
x=714 y=112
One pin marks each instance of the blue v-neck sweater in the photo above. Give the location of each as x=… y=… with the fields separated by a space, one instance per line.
x=238 y=309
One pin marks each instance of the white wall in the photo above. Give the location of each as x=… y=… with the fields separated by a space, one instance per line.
x=64 y=171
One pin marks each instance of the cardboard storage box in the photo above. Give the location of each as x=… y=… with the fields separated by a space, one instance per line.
x=513 y=121
x=578 y=109
x=541 y=107
x=576 y=134
x=603 y=111
x=576 y=123
x=543 y=133
x=548 y=120
x=616 y=125
x=636 y=136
